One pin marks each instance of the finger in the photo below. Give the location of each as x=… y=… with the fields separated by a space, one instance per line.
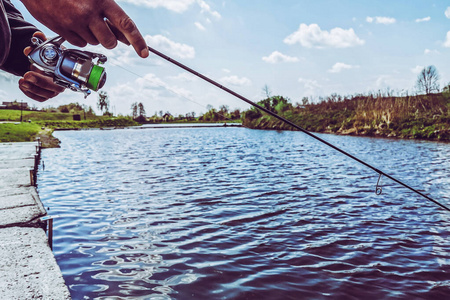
x=37 y=91
x=73 y=38
x=38 y=34
x=43 y=82
x=31 y=95
x=88 y=36
x=124 y=24
x=27 y=50
x=103 y=33
x=119 y=35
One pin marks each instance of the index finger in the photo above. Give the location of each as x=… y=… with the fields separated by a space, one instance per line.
x=37 y=34
x=124 y=24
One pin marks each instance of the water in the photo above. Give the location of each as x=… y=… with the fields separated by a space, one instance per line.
x=232 y=213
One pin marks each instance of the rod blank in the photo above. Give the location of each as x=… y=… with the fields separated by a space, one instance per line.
x=162 y=55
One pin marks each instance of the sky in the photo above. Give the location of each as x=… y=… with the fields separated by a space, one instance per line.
x=297 y=48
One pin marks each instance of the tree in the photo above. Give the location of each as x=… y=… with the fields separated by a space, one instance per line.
x=266 y=91
x=103 y=102
x=305 y=101
x=428 y=80
x=446 y=89
x=223 y=111
x=141 y=110
x=134 y=110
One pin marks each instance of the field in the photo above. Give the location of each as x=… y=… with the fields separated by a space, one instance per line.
x=14 y=116
x=18 y=132
x=42 y=124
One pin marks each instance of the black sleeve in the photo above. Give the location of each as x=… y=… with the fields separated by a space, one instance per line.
x=21 y=32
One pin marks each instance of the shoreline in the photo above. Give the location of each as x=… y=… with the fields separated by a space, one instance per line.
x=49 y=141
x=29 y=268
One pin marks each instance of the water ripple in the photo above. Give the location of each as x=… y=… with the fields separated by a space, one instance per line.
x=231 y=213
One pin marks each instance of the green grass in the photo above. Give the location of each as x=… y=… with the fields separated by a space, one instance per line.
x=23 y=132
x=100 y=123
x=27 y=131
x=411 y=117
x=14 y=116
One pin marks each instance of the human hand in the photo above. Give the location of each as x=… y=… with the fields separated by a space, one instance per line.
x=88 y=22
x=35 y=84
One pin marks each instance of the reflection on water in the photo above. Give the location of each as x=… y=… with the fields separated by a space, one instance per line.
x=232 y=213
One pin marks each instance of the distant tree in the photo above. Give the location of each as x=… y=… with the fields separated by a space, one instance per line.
x=446 y=89
x=190 y=116
x=134 y=110
x=223 y=112
x=64 y=109
x=305 y=101
x=236 y=114
x=428 y=80
x=103 y=102
x=141 y=110
x=266 y=91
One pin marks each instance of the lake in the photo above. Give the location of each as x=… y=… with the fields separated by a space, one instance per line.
x=233 y=213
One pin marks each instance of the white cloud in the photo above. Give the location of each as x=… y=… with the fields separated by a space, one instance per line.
x=417 y=69
x=226 y=70
x=339 y=67
x=309 y=84
x=383 y=81
x=122 y=55
x=447 y=40
x=278 y=57
x=7 y=77
x=428 y=51
x=235 y=80
x=169 y=47
x=185 y=77
x=200 y=26
x=3 y=96
x=423 y=20
x=447 y=12
x=177 y=6
x=150 y=90
x=206 y=8
x=381 y=20
x=311 y=36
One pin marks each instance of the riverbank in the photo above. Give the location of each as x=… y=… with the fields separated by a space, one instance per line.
x=29 y=269
x=425 y=117
x=43 y=129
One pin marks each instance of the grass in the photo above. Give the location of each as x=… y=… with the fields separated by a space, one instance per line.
x=23 y=132
x=99 y=123
x=14 y=115
x=411 y=117
x=43 y=123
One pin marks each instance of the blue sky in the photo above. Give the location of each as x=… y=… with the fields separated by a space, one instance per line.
x=297 y=48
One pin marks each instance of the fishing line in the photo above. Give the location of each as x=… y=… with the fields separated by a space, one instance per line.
x=381 y=173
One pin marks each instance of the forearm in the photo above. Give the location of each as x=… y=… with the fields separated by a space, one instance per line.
x=20 y=35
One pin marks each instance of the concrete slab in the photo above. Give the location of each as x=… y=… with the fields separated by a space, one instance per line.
x=17 y=177
x=28 y=269
x=12 y=151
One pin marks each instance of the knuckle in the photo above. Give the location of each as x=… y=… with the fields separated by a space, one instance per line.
x=126 y=24
x=110 y=43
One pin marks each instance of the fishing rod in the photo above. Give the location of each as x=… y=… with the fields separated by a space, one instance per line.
x=378 y=189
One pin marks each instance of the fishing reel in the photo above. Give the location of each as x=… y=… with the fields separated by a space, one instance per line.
x=70 y=68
